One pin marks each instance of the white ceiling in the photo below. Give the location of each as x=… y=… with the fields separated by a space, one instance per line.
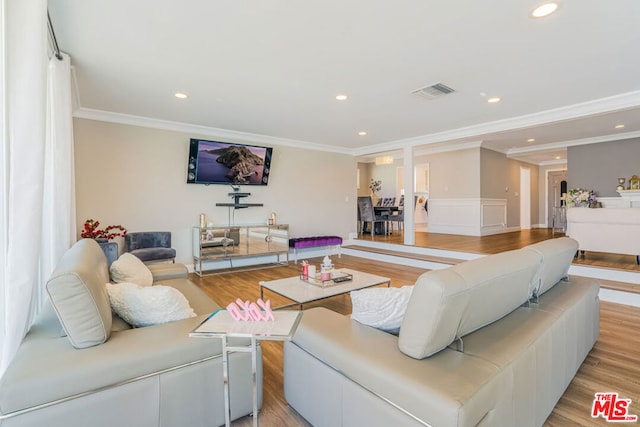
x=270 y=70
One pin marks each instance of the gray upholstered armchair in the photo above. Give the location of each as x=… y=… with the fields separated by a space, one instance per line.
x=150 y=245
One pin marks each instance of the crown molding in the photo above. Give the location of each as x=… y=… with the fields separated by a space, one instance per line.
x=225 y=134
x=571 y=112
x=581 y=110
x=605 y=138
x=454 y=146
x=571 y=143
x=424 y=151
x=554 y=162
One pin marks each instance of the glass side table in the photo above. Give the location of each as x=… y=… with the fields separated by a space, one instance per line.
x=559 y=220
x=220 y=324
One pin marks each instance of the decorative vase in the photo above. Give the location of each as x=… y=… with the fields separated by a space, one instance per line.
x=374 y=198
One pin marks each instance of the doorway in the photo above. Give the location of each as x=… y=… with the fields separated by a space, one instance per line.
x=420 y=192
x=556 y=187
x=525 y=198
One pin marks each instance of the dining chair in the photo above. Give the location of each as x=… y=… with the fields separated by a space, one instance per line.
x=367 y=214
x=398 y=218
x=359 y=218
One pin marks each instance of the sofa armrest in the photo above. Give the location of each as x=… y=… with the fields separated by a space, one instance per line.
x=47 y=369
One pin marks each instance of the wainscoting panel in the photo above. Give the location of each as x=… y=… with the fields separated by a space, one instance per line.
x=468 y=217
x=494 y=216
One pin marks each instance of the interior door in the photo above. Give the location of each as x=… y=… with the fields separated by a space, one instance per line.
x=556 y=186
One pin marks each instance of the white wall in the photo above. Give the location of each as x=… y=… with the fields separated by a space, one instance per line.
x=136 y=177
x=598 y=166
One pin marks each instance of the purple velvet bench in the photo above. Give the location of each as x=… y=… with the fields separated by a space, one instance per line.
x=314 y=242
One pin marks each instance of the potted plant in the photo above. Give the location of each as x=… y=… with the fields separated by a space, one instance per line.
x=375 y=186
x=580 y=198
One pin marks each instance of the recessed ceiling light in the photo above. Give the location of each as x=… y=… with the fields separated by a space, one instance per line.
x=619 y=126
x=557 y=157
x=493 y=100
x=362 y=133
x=531 y=140
x=544 y=9
x=341 y=97
x=181 y=95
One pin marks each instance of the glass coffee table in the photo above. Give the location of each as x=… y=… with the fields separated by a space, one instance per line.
x=304 y=291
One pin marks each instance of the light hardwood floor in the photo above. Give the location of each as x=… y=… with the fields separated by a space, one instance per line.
x=504 y=242
x=612 y=365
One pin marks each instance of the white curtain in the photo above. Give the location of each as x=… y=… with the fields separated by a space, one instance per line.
x=59 y=219
x=29 y=198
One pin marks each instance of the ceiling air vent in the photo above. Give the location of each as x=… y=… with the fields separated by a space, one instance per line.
x=433 y=91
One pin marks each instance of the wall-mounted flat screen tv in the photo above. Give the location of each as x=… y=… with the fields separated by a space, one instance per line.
x=215 y=162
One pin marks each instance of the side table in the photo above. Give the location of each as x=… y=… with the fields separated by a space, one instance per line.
x=559 y=220
x=220 y=324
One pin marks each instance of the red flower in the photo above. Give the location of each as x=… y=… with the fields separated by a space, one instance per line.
x=91 y=230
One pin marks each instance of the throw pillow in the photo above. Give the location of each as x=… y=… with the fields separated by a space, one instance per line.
x=129 y=268
x=381 y=308
x=148 y=305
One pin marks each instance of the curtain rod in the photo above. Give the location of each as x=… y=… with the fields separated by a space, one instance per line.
x=53 y=36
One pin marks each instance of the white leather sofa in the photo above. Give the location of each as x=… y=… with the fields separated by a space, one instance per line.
x=118 y=376
x=490 y=342
x=612 y=230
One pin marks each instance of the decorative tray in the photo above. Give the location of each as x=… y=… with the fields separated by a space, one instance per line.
x=337 y=277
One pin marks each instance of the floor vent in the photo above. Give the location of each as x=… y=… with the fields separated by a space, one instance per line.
x=433 y=91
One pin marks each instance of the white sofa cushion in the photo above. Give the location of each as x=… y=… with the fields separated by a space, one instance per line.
x=148 y=305
x=557 y=255
x=129 y=268
x=381 y=308
x=78 y=295
x=453 y=302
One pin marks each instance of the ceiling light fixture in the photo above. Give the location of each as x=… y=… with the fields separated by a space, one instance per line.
x=362 y=133
x=341 y=97
x=181 y=95
x=493 y=100
x=619 y=126
x=531 y=140
x=384 y=160
x=544 y=9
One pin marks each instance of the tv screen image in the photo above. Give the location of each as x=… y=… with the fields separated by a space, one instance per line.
x=216 y=162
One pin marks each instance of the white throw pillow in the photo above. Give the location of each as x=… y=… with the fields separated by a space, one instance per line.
x=148 y=305
x=129 y=268
x=381 y=308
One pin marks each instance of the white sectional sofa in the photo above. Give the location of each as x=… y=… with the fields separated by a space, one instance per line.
x=489 y=342
x=612 y=230
x=105 y=373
